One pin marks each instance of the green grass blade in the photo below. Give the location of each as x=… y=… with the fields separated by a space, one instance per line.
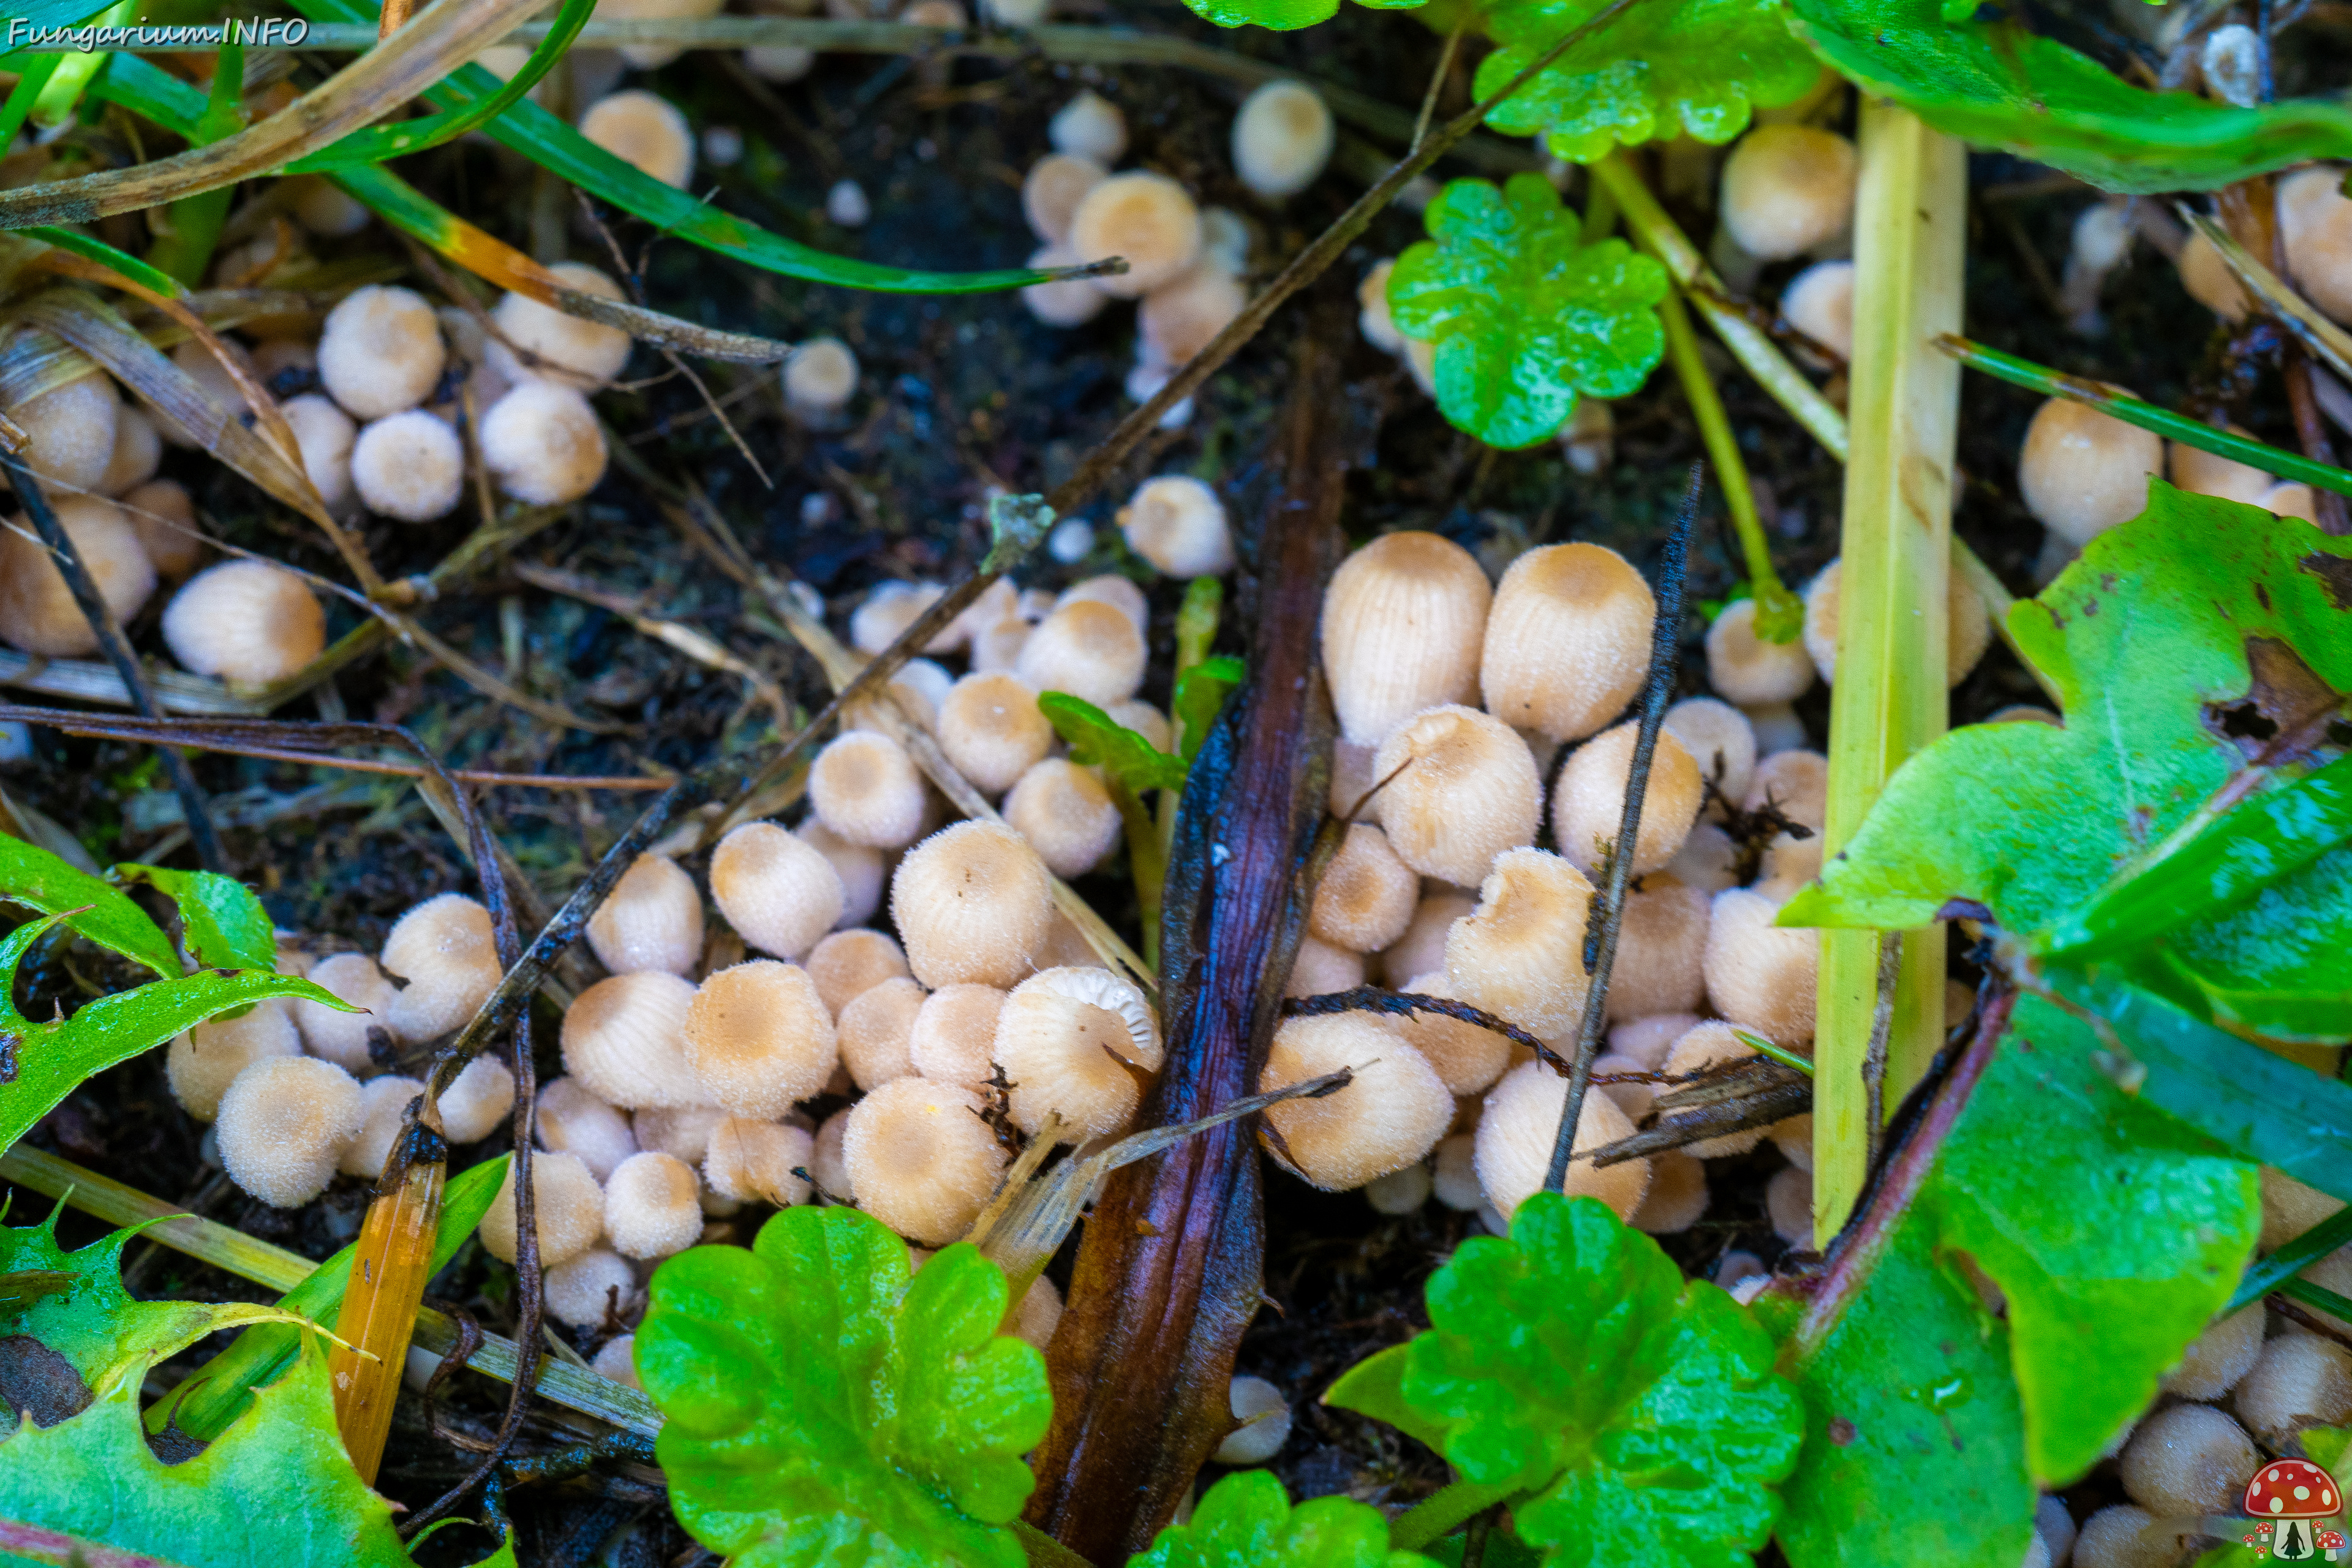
x=186 y=240
x=25 y=94
x=2265 y=1275
x=106 y=256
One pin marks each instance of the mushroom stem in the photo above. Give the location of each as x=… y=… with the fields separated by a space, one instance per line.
x=1779 y=616
x=193 y=810
x=1600 y=936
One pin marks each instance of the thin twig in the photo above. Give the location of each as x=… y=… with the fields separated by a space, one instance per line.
x=1404 y=1004
x=1601 y=943
x=194 y=811
x=1438 y=78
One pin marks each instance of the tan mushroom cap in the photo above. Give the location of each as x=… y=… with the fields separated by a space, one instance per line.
x=1647 y=1041
x=562 y=347
x=682 y=1132
x=409 y=467
x=1661 y=948
x=578 y=1292
x=1470 y=794
x=1520 y=953
x=1318 y=969
x=1177 y=523
x=921 y=1159
x=1468 y=1058
x=847 y=963
x=1719 y=739
x=652 y=1206
x=1079 y=1043
x=285 y=1121
x=877 y=1030
x=759 y=1038
x=1713 y=1045
x=1796 y=784
x=380 y=351
x=954 y=1034
x=2298 y=1380
x=972 y=903
x=1282 y=138
x=2218 y=1359
x=1390 y=1115
x=1758 y=974
x=1367 y=897
x=1514 y=1138
x=384 y=1112
x=1818 y=302
x=1589 y=801
x=1678 y=1197
x=866 y=789
x=1788 y=188
x=1149 y=219
x=1969 y=629
x=1404 y=621
x=1089 y=126
x=342 y=1038
x=71 y=427
x=1051 y=191
x=2208 y=281
x=1068 y=815
x=2315 y=230
x=445 y=951
x=164 y=516
x=778 y=891
x=644 y=131
x=248 y=622
x=624 y=1041
x=1568 y=641
x=38 y=610
x=752 y=1162
x=2188 y=1460
x=1747 y=669
x=1088 y=649
x=571 y=1120
x=2082 y=473
x=859 y=868
x=566 y=1203
x=1422 y=949
x=476 y=1101
x=992 y=729
x=651 y=919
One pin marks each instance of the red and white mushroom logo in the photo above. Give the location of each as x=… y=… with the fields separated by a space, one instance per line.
x=2294 y=1494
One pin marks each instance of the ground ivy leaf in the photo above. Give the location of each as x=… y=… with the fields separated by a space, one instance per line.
x=1246 y=1521
x=1661 y=71
x=95 y=909
x=1097 y=739
x=1280 y=16
x=223 y=924
x=1524 y=315
x=819 y=1408
x=1374 y=1386
x=1574 y=1360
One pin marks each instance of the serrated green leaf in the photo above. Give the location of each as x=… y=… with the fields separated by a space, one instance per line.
x=1524 y=315
x=819 y=1408
x=95 y=910
x=1099 y=741
x=1573 y=1360
x=222 y=924
x=1374 y=1386
x=1997 y=85
x=41 y=1063
x=1247 y=1520
x=1201 y=690
x=1693 y=68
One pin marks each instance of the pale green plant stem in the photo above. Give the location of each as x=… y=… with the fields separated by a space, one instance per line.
x=1890 y=698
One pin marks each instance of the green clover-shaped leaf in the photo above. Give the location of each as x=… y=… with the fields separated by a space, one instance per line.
x=819 y=1408
x=1246 y=1521
x=1573 y=1360
x=1668 y=69
x=1524 y=315
x=1099 y=741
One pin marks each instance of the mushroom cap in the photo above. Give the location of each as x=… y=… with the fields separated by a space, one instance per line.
x=820 y=376
x=1366 y=896
x=324 y=436
x=682 y=1132
x=652 y=1206
x=992 y=729
x=954 y=1034
x=1787 y=188
x=1078 y=1042
x=383 y=1110
x=921 y=1159
x=1265 y=1416
x=476 y=1101
x=2218 y=1359
x=1747 y=669
x=1404 y=620
x=284 y=1124
x=866 y=789
x=2298 y=1381
x=567 y=1207
x=2126 y=1536
x=562 y=347
x=825 y=1163
x=1661 y=946
x=651 y=919
x=2290 y=1208
x=892 y=606
x=1789 y=1205
x=1388 y=1116
x=342 y=1038
x=752 y=1162
x=37 y=611
x=1719 y=739
x=1520 y=953
x=71 y=428
x=758 y=1037
x=1181 y=318
x=1708 y=1046
x=1122 y=595
x=2208 y=281
x=778 y=891
x=1797 y=784
x=1089 y=126
x=1646 y=1041
x=1177 y=523
x=2314 y=223
x=2193 y=1459
x=165 y=519
x=1088 y=649
x=1065 y=301
x=1758 y=974
x=445 y=951
x=972 y=902
x=409 y=466
x=1968 y=629
x=1794 y=1138
x=859 y=869
x=1149 y=219
x=1568 y=641
x=1422 y=949
x=541 y=443
x=1454 y=1173
x=625 y=1040
x=1318 y=969
x=2208 y=474
x=572 y=1120
x=1677 y=1196
x=2082 y=471
x=876 y=1031
x=644 y=131
x=380 y=351
x=581 y=1291
x=1514 y=1138
x=1051 y=191
x=1400 y=1192
x=1470 y=795
x=1282 y=138
x=248 y=622
x=1818 y=302
x=848 y=963
x=1068 y=815
x=1588 y=804
x=137 y=451
x=1468 y=1057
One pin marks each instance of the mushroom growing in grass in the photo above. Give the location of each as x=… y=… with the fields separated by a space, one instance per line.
x=1515 y=1137
x=2219 y=1359
x=2299 y=1380
x=571 y=1120
x=1719 y=739
x=476 y=1103
x=582 y=1290
x=1403 y=623
x=1366 y=896
x=751 y=1161
x=37 y=611
x=859 y=869
x=1785 y=189
x=1520 y=955
x=1968 y=629
x=1745 y=668
x=875 y=1032
x=1468 y=1058
x=201 y=1063
x=1282 y=137
x=1461 y=789
x=652 y=1206
x=2189 y=1459
x=284 y=1124
x=820 y=378
x=1051 y=193
x=866 y=789
x=1568 y=641
x=1067 y=815
x=848 y=963
x=624 y=1041
x=1390 y=1115
x=166 y=519
x=2081 y=472
x=972 y=903
x=759 y=1038
x=1178 y=524
x=1660 y=945
x=384 y=1112
x=336 y=1036
x=567 y=1204
x=1149 y=220
x=1818 y=302
x=248 y=622
x=380 y=351
x=777 y=891
x=71 y=430
x=1758 y=974
x=1077 y=1042
x=444 y=950
x=555 y=344
x=324 y=436
x=651 y=919
x=954 y=1034
x=408 y=465
x=1088 y=649
x=644 y=131
x=1589 y=803
x=921 y=1159
x=137 y=451
x=1089 y=126
x=542 y=444
x=1265 y=1423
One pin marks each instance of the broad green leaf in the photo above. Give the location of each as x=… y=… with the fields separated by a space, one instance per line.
x=1374 y=1386
x=1524 y=315
x=1667 y=69
x=94 y=909
x=1573 y=1360
x=41 y=1063
x=221 y=924
x=1503 y=1550
x=1280 y=16
x=2169 y=640
x=217 y=1393
x=1997 y=85
x=1099 y=741
x=1199 y=692
x=1246 y=1521
x=819 y=1408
